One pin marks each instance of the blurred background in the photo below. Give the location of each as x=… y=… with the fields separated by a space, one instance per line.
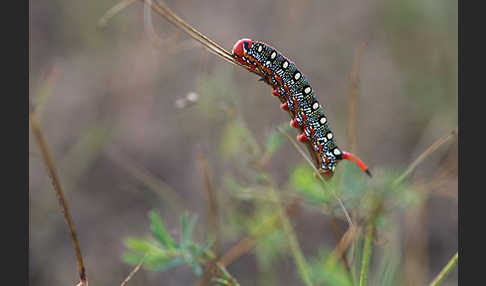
x=132 y=112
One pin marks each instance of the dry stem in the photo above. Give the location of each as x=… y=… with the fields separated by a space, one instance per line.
x=56 y=184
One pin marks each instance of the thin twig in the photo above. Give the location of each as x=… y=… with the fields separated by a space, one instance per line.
x=439 y=142
x=164 y=11
x=353 y=98
x=56 y=184
x=442 y=177
x=342 y=250
x=132 y=273
x=348 y=218
x=216 y=272
x=345 y=242
x=172 y=18
x=443 y=273
x=113 y=11
x=213 y=210
x=213 y=206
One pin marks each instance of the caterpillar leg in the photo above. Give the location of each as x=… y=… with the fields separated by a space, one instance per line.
x=326 y=175
x=264 y=79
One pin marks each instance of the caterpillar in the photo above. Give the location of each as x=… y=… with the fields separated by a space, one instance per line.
x=288 y=84
x=298 y=98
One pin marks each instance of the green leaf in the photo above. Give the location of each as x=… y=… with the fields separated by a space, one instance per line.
x=160 y=232
x=168 y=264
x=157 y=262
x=132 y=258
x=142 y=246
x=197 y=250
x=164 y=253
x=303 y=182
x=187 y=229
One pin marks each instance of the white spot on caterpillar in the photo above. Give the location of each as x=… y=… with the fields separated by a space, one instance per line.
x=260 y=49
x=273 y=55
x=297 y=76
x=285 y=64
x=307 y=90
x=337 y=152
x=267 y=63
x=315 y=106
x=329 y=135
x=323 y=120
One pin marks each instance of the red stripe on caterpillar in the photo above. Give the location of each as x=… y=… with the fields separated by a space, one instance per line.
x=298 y=98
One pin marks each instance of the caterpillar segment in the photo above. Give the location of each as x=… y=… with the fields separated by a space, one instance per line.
x=297 y=97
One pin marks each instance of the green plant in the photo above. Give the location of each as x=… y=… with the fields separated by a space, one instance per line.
x=162 y=252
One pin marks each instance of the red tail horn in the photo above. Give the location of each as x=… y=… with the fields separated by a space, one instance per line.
x=353 y=158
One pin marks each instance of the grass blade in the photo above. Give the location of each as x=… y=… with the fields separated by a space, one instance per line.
x=366 y=255
x=442 y=275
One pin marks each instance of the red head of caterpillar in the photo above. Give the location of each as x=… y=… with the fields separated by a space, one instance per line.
x=298 y=98
x=240 y=48
x=240 y=52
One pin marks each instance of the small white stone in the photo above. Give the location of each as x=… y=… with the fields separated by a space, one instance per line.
x=180 y=103
x=192 y=96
